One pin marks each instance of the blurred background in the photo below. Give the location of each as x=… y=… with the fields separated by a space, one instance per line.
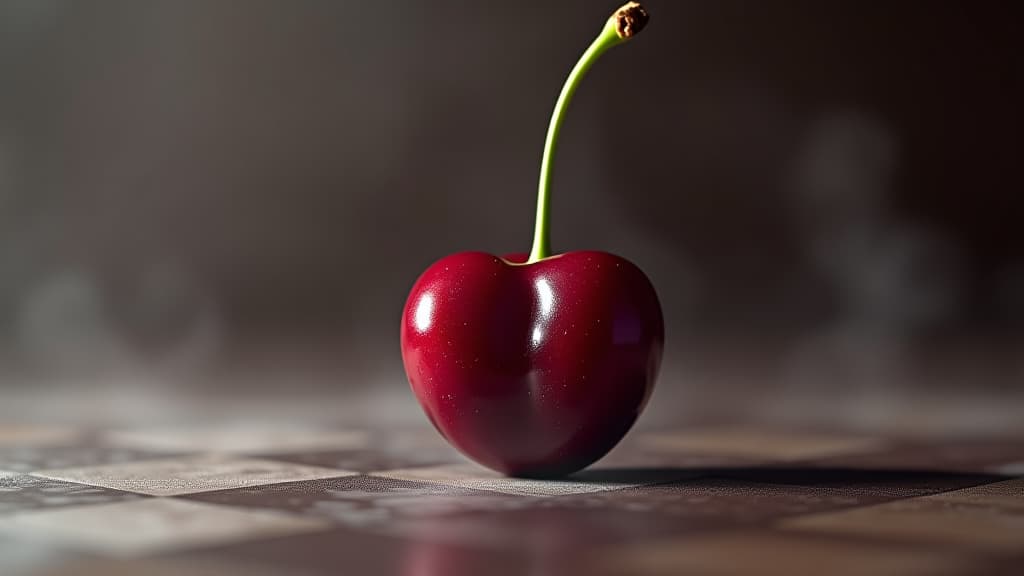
x=231 y=199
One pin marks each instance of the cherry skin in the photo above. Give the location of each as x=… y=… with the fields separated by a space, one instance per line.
x=533 y=370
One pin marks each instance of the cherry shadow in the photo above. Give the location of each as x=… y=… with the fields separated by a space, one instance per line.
x=897 y=482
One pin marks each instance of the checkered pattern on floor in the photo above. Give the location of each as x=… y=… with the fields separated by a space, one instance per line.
x=256 y=500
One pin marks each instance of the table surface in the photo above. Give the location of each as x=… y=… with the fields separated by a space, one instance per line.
x=260 y=500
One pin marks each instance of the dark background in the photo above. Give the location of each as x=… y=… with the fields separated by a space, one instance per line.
x=826 y=195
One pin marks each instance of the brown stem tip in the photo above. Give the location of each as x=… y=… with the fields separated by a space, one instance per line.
x=630 y=20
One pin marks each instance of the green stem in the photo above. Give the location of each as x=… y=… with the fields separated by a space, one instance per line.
x=623 y=25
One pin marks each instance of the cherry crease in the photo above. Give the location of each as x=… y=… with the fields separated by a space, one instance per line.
x=533 y=370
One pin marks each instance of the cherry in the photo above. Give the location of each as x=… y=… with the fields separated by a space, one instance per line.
x=536 y=365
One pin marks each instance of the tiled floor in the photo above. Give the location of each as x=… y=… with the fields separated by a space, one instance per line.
x=245 y=500
x=190 y=475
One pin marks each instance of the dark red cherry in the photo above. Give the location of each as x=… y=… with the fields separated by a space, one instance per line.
x=533 y=369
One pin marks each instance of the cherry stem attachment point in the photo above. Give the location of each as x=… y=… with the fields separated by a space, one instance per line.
x=623 y=25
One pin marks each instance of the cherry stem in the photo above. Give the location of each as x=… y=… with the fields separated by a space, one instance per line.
x=625 y=23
